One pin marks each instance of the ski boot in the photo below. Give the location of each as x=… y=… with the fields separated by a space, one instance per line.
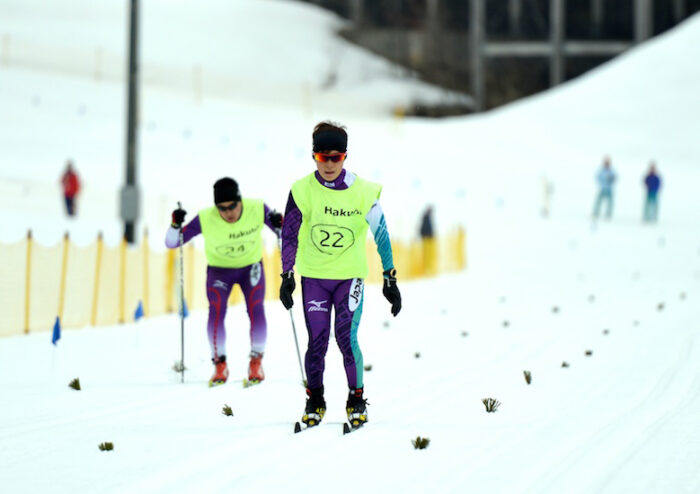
x=356 y=408
x=220 y=371
x=314 y=411
x=255 y=370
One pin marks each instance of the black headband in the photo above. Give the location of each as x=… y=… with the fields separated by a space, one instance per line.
x=330 y=140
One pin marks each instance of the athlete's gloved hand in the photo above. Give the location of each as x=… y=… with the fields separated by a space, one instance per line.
x=275 y=218
x=287 y=288
x=178 y=218
x=391 y=291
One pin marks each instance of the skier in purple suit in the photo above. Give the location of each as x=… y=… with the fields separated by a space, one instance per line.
x=327 y=217
x=232 y=231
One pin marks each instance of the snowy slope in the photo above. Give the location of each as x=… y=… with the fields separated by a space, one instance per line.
x=537 y=291
x=621 y=420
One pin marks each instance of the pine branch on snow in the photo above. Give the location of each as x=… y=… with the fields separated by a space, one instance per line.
x=106 y=446
x=75 y=384
x=491 y=404
x=420 y=442
x=227 y=411
x=528 y=376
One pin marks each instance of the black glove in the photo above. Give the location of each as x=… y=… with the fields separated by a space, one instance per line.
x=275 y=218
x=391 y=291
x=178 y=218
x=287 y=288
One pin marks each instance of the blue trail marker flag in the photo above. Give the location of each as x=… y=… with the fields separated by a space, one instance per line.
x=56 y=331
x=138 y=314
x=184 y=312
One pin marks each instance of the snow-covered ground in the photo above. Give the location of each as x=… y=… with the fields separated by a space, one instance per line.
x=537 y=292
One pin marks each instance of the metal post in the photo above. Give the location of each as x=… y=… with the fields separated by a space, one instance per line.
x=356 y=11
x=476 y=31
x=431 y=52
x=597 y=17
x=678 y=10
x=433 y=15
x=129 y=195
x=643 y=23
x=515 y=10
x=556 y=30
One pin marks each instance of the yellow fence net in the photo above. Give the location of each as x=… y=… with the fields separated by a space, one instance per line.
x=100 y=285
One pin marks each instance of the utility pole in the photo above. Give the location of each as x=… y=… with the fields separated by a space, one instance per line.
x=130 y=192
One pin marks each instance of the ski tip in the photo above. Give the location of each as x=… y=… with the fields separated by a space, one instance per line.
x=346 y=428
x=297 y=427
x=245 y=383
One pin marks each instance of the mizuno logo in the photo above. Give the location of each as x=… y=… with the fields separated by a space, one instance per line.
x=317 y=306
x=220 y=284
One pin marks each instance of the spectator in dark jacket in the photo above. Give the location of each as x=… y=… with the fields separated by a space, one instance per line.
x=426 y=224
x=71 y=186
x=652 y=182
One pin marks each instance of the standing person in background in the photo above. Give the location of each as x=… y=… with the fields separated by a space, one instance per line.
x=606 y=180
x=427 y=235
x=652 y=182
x=232 y=230
x=547 y=192
x=426 y=224
x=327 y=216
x=71 y=186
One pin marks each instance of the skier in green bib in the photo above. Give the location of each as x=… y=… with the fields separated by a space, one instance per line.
x=232 y=230
x=327 y=217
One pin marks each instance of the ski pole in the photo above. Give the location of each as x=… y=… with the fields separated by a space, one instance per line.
x=291 y=318
x=296 y=342
x=182 y=305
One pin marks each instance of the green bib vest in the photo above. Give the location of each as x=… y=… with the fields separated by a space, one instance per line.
x=233 y=245
x=333 y=228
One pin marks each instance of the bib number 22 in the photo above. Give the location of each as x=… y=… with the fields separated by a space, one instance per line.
x=332 y=239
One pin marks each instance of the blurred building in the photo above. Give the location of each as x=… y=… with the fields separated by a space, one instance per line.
x=526 y=46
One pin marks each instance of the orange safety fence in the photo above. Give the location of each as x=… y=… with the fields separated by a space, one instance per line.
x=99 y=285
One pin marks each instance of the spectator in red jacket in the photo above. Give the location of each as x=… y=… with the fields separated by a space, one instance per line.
x=71 y=186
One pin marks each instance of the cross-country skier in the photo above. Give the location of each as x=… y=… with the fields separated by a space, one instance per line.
x=232 y=230
x=326 y=220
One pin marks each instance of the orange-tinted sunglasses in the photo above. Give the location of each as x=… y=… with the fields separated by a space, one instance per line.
x=335 y=158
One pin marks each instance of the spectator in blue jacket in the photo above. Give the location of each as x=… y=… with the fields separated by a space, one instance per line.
x=652 y=182
x=606 y=179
